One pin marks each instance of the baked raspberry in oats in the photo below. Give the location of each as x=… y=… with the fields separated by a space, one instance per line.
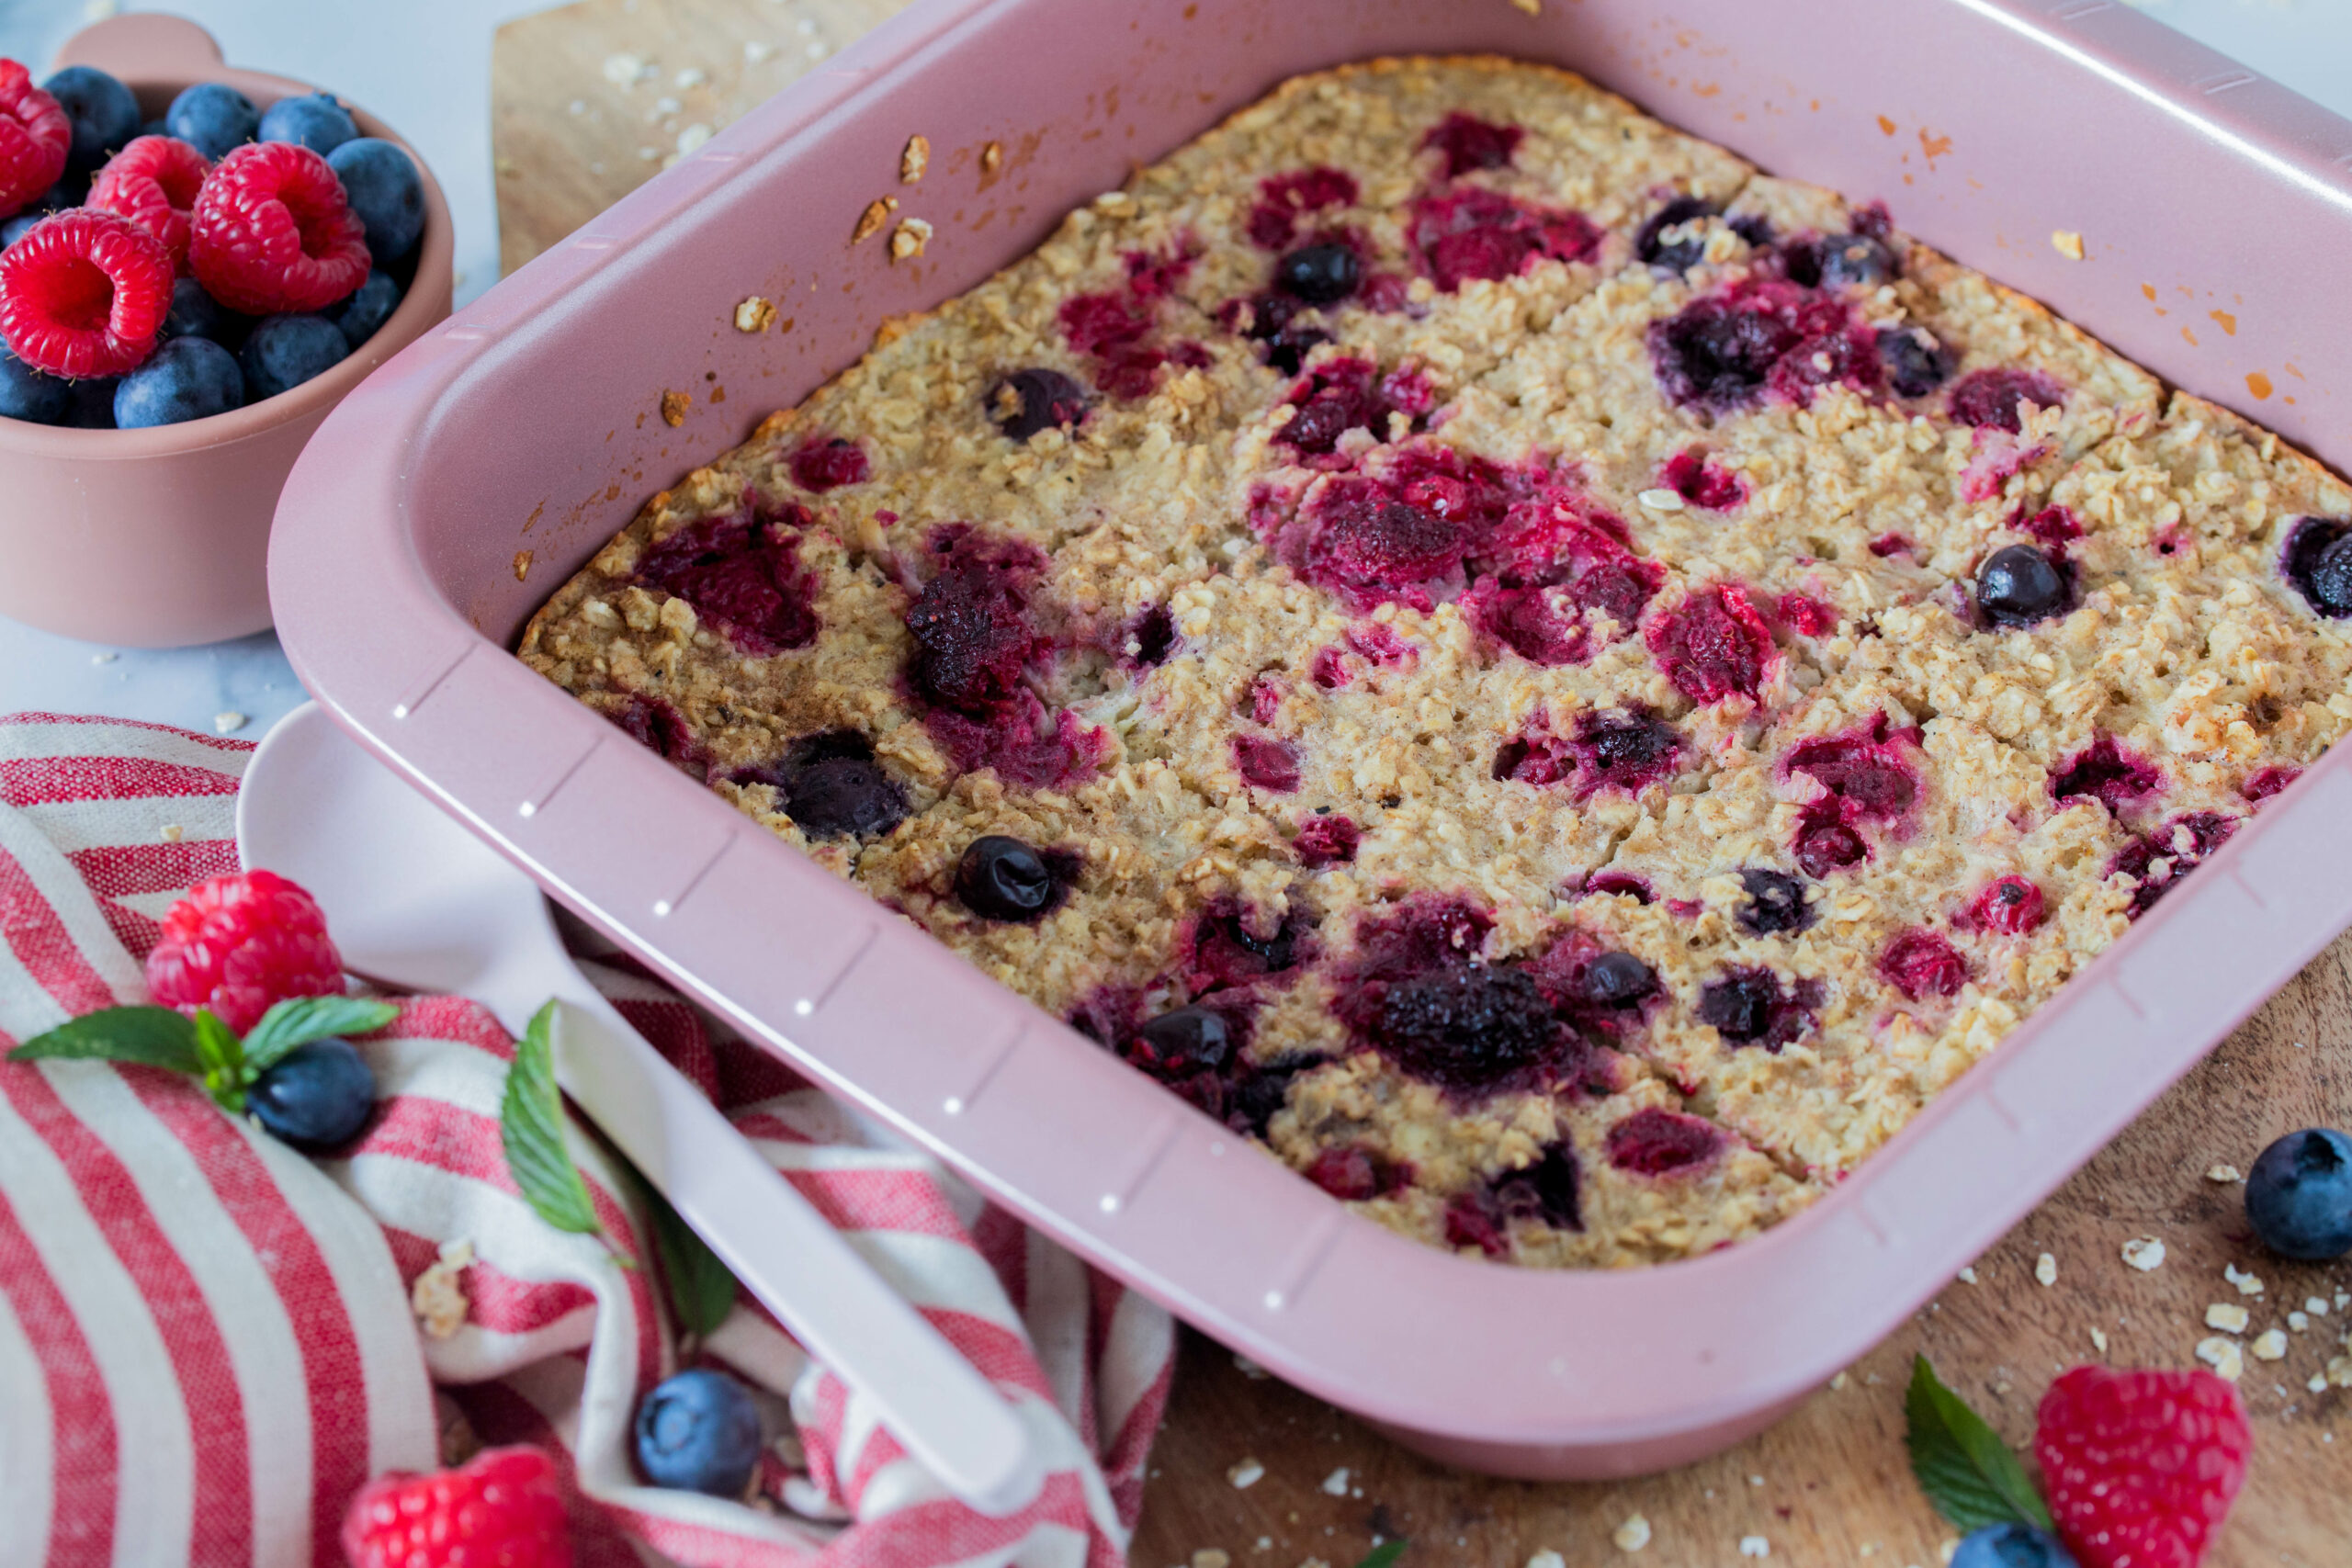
x=1564 y=684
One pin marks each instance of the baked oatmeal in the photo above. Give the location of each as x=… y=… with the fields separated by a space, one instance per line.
x=1564 y=685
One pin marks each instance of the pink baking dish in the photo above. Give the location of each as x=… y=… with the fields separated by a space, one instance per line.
x=530 y=423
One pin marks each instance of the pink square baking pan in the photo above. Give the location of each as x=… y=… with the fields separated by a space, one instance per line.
x=530 y=423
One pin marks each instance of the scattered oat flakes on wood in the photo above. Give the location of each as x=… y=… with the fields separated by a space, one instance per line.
x=1246 y=1474
x=2227 y=1316
x=2247 y=1282
x=2271 y=1345
x=1632 y=1535
x=914 y=159
x=2045 y=1268
x=909 y=239
x=2145 y=1253
x=438 y=1299
x=869 y=223
x=755 y=314
x=2224 y=1174
x=2222 y=1355
x=674 y=408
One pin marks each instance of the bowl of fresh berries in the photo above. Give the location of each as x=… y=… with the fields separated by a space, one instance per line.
x=197 y=264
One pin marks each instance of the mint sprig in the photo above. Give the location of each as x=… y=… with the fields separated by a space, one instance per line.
x=1961 y=1464
x=701 y=1289
x=202 y=1046
x=530 y=1128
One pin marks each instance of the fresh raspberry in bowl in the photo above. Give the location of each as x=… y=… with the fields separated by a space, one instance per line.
x=34 y=139
x=153 y=182
x=84 y=294
x=273 y=234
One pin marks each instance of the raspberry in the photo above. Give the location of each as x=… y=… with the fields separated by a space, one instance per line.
x=502 y=1508
x=35 y=137
x=238 y=943
x=84 y=294
x=153 y=183
x=273 y=234
x=2140 y=1466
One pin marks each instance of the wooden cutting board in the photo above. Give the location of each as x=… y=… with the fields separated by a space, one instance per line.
x=587 y=102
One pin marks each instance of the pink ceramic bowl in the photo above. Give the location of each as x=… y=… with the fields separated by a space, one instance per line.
x=158 y=538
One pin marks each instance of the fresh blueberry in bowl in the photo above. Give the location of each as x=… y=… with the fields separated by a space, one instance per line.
x=381 y=184
x=2019 y=586
x=315 y=121
x=317 y=1095
x=91 y=403
x=367 y=311
x=17 y=228
x=195 y=313
x=2012 y=1546
x=27 y=394
x=103 y=115
x=186 y=379
x=699 y=1431
x=1000 y=878
x=283 y=351
x=2299 y=1195
x=1320 y=275
x=213 y=118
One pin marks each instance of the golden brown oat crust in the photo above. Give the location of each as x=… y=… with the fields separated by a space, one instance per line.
x=1863 y=519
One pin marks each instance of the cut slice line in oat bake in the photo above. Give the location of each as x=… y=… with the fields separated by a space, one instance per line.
x=1562 y=684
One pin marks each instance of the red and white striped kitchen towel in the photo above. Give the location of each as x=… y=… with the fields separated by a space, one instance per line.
x=208 y=1342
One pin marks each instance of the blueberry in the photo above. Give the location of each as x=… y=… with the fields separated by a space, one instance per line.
x=2318 y=562
x=381 y=183
x=1677 y=255
x=1188 y=1040
x=1616 y=980
x=699 y=1431
x=27 y=394
x=1775 y=903
x=187 y=377
x=315 y=1097
x=195 y=313
x=315 y=121
x=91 y=403
x=213 y=118
x=2012 y=1546
x=17 y=228
x=72 y=189
x=1916 y=362
x=1000 y=878
x=842 y=797
x=286 y=351
x=2018 y=585
x=363 y=315
x=2299 y=1195
x=1320 y=275
x=105 y=116
x=1739 y=1007
x=1030 y=400
x=1854 y=261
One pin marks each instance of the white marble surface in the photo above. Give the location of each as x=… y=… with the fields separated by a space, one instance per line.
x=424 y=66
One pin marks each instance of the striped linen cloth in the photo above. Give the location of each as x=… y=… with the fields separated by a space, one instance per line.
x=208 y=1342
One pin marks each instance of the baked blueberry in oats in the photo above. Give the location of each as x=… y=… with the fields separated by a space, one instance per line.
x=1565 y=686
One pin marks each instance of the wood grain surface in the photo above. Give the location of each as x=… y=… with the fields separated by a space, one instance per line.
x=1827 y=1485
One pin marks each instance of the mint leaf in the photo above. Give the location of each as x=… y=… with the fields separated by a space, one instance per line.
x=1386 y=1552
x=297 y=1021
x=531 y=1126
x=1963 y=1467
x=701 y=1289
x=220 y=1057
x=149 y=1036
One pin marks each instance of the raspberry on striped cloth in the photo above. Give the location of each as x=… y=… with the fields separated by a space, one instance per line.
x=2140 y=1466
x=271 y=232
x=84 y=294
x=237 y=944
x=153 y=183
x=35 y=137
x=502 y=1509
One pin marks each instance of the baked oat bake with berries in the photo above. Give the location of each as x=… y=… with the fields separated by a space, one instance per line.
x=1564 y=684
